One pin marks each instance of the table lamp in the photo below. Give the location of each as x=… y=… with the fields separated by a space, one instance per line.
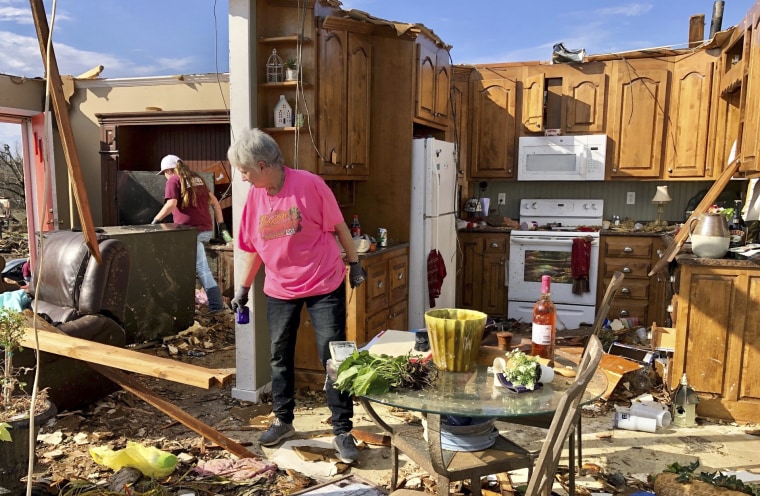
x=660 y=198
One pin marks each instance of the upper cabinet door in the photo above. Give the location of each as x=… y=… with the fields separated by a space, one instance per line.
x=344 y=104
x=689 y=117
x=433 y=83
x=638 y=102
x=751 y=117
x=358 y=111
x=585 y=100
x=533 y=103
x=493 y=129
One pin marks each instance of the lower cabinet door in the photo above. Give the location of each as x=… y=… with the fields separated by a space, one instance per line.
x=397 y=317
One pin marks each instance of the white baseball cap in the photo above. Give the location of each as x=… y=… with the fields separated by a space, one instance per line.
x=168 y=162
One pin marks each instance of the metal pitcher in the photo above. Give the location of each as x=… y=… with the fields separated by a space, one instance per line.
x=709 y=235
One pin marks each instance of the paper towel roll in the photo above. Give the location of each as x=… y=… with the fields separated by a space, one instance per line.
x=660 y=414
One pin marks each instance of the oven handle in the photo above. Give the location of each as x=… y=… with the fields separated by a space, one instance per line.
x=545 y=241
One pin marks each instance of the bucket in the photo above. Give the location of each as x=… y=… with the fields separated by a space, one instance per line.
x=455 y=337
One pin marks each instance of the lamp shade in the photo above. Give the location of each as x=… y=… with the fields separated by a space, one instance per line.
x=661 y=196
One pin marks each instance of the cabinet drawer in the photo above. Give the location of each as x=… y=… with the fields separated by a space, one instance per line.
x=397 y=317
x=376 y=323
x=630 y=268
x=399 y=275
x=377 y=286
x=496 y=244
x=637 y=289
x=627 y=247
x=629 y=309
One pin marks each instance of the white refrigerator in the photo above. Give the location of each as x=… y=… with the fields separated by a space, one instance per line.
x=433 y=227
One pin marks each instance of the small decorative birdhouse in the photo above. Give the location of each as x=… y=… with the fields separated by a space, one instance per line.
x=685 y=402
x=283 y=113
x=275 y=68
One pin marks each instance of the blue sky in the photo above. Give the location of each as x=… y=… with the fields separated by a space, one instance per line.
x=133 y=38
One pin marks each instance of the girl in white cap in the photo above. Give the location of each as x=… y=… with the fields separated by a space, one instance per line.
x=187 y=198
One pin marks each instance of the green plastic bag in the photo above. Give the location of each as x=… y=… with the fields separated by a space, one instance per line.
x=152 y=462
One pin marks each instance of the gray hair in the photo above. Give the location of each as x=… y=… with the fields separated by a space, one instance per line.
x=252 y=146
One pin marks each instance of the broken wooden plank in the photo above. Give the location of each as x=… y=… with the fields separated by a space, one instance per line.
x=615 y=367
x=129 y=384
x=712 y=194
x=121 y=358
x=61 y=112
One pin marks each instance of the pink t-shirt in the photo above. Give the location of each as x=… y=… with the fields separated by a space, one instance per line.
x=294 y=234
x=197 y=215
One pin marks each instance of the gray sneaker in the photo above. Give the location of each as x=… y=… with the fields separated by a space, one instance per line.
x=345 y=447
x=277 y=432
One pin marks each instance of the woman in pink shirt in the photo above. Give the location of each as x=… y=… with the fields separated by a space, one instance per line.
x=289 y=224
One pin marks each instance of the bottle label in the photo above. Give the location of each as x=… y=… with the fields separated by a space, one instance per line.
x=542 y=334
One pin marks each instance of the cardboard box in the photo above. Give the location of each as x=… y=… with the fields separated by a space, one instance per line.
x=663 y=338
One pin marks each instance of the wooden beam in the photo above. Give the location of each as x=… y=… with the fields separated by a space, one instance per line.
x=61 y=111
x=710 y=197
x=92 y=352
x=134 y=387
x=696 y=30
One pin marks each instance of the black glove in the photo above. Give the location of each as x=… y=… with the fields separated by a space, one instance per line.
x=356 y=274
x=241 y=297
x=222 y=226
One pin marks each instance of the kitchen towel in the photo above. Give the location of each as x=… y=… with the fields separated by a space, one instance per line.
x=436 y=273
x=580 y=262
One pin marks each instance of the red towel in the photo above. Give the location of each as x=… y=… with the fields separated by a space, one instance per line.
x=436 y=269
x=580 y=263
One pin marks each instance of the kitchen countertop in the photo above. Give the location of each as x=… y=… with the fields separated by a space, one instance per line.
x=691 y=259
x=603 y=232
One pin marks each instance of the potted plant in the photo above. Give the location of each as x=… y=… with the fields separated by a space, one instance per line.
x=15 y=406
x=291 y=69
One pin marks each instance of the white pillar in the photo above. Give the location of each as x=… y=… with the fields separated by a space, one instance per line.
x=251 y=340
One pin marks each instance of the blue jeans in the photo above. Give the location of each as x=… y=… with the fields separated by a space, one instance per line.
x=328 y=316
x=202 y=270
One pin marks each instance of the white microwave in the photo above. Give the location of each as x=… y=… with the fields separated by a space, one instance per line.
x=562 y=158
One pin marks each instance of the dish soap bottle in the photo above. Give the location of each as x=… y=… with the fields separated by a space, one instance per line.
x=544 y=323
x=356 y=228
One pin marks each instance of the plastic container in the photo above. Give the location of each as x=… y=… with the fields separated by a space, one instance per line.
x=624 y=419
x=455 y=337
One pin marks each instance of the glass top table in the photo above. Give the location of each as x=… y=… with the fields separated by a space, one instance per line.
x=473 y=394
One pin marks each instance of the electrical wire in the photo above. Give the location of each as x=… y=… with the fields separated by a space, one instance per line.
x=40 y=259
x=230 y=173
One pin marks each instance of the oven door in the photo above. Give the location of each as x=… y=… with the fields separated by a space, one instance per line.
x=534 y=255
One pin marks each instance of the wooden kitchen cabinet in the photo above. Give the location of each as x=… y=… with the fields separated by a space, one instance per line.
x=433 y=83
x=493 y=140
x=638 y=100
x=640 y=296
x=566 y=97
x=717 y=334
x=344 y=99
x=380 y=303
x=689 y=113
x=481 y=274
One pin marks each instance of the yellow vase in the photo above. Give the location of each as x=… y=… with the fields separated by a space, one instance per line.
x=455 y=337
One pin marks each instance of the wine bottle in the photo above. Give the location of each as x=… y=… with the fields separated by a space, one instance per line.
x=356 y=229
x=544 y=323
x=737 y=229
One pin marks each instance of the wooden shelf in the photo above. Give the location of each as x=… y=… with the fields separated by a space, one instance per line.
x=284 y=84
x=277 y=40
x=283 y=129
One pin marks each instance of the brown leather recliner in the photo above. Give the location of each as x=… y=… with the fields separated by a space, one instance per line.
x=84 y=299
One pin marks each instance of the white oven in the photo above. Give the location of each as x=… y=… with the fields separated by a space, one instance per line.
x=546 y=248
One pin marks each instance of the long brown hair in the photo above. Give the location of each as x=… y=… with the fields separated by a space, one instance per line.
x=186 y=176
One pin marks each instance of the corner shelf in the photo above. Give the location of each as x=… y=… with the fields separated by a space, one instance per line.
x=283 y=129
x=275 y=40
x=284 y=84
